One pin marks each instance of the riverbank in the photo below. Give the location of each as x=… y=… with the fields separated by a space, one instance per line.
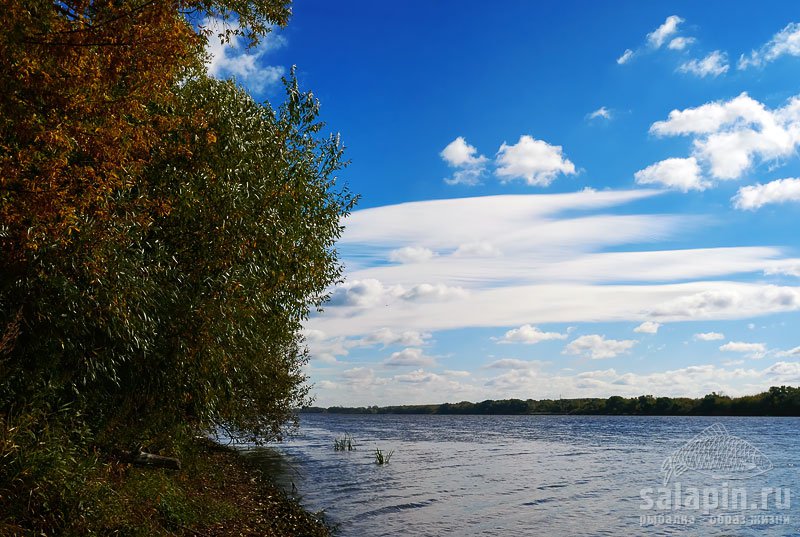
x=255 y=506
x=777 y=401
x=217 y=493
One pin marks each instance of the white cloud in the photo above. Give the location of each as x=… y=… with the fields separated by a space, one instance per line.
x=680 y=43
x=357 y=373
x=601 y=373
x=537 y=247
x=787 y=371
x=430 y=292
x=362 y=378
x=791 y=352
x=457 y=373
x=512 y=380
x=647 y=327
x=322 y=348
x=729 y=136
x=713 y=65
x=679 y=173
x=418 y=376
x=466 y=177
x=477 y=249
x=784 y=43
x=362 y=293
x=730 y=302
x=325 y=357
x=360 y=386
x=328 y=349
x=600 y=113
x=569 y=303
x=712 y=117
x=510 y=220
x=694 y=380
x=370 y=292
x=709 y=336
x=535 y=161
x=326 y=385
x=555 y=268
x=411 y=254
x=388 y=337
x=626 y=57
x=663 y=265
x=529 y=335
x=460 y=153
x=789 y=267
x=410 y=357
x=756 y=196
x=753 y=350
x=234 y=59
x=312 y=335
x=659 y=36
x=731 y=363
x=597 y=347
x=465 y=159
x=513 y=363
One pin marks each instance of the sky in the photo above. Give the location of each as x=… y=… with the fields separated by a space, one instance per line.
x=558 y=199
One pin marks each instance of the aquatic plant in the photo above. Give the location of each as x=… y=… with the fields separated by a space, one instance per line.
x=381 y=457
x=345 y=443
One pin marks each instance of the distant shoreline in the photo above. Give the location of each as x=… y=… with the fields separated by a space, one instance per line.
x=777 y=401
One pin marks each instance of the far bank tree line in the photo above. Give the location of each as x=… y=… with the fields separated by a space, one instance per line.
x=778 y=401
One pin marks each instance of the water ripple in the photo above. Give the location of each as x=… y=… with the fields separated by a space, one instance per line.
x=509 y=475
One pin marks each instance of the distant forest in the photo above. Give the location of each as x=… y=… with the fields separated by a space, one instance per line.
x=778 y=401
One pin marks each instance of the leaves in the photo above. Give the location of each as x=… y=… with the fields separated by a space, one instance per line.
x=77 y=121
x=163 y=234
x=248 y=251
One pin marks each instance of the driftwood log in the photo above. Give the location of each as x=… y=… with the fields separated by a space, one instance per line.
x=138 y=457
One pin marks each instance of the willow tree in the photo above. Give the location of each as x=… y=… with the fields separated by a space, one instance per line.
x=245 y=253
x=163 y=235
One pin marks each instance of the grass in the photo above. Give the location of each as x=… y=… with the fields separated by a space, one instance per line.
x=217 y=493
x=345 y=443
x=381 y=457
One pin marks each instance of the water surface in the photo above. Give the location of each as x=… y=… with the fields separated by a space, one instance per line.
x=528 y=475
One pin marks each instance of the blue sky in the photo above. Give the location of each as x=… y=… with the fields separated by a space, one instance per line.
x=558 y=198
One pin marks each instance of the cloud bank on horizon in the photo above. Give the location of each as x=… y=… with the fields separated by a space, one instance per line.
x=646 y=246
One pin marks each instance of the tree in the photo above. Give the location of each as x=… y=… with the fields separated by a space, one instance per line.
x=245 y=252
x=163 y=236
x=90 y=103
x=77 y=125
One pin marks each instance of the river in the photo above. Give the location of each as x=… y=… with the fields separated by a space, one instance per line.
x=545 y=475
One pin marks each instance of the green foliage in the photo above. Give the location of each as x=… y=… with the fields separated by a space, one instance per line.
x=345 y=443
x=197 y=319
x=778 y=401
x=45 y=459
x=382 y=458
x=244 y=253
x=164 y=237
x=253 y=18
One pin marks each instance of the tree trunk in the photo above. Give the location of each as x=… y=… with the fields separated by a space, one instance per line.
x=140 y=458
